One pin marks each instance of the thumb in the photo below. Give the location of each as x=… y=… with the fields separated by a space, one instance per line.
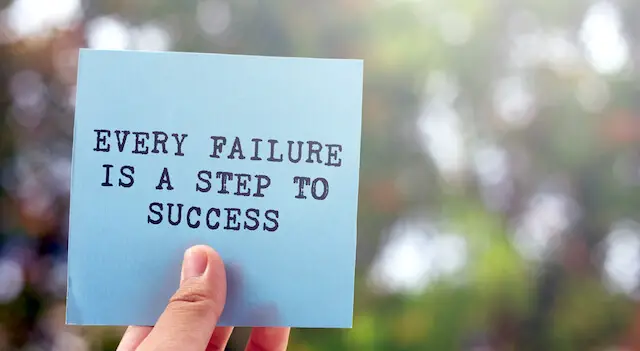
x=194 y=310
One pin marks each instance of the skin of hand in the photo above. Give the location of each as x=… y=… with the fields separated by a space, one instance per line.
x=189 y=321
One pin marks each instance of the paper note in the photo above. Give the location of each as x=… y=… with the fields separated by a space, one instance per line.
x=257 y=157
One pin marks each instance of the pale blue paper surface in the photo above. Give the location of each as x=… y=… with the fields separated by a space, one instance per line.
x=123 y=270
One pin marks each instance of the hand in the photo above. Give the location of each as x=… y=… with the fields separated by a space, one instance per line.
x=189 y=321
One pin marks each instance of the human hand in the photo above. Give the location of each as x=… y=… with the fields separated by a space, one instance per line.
x=189 y=321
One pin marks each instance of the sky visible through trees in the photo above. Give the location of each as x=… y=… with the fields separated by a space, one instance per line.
x=500 y=173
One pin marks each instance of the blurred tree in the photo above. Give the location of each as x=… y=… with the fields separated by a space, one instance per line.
x=512 y=125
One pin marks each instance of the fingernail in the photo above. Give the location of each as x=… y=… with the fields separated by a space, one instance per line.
x=194 y=264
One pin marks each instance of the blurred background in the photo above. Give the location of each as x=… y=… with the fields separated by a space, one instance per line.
x=500 y=175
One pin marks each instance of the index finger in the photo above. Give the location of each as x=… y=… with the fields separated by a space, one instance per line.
x=133 y=337
x=268 y=339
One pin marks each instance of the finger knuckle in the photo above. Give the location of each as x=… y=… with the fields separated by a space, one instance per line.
x=193 y=300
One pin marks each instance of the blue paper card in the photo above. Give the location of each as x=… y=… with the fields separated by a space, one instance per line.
x=257 y=157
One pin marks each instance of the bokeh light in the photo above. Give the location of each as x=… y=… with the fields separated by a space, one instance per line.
x=498 y=202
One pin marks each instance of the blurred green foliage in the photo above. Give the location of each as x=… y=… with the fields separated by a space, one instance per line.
x=569 y=128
